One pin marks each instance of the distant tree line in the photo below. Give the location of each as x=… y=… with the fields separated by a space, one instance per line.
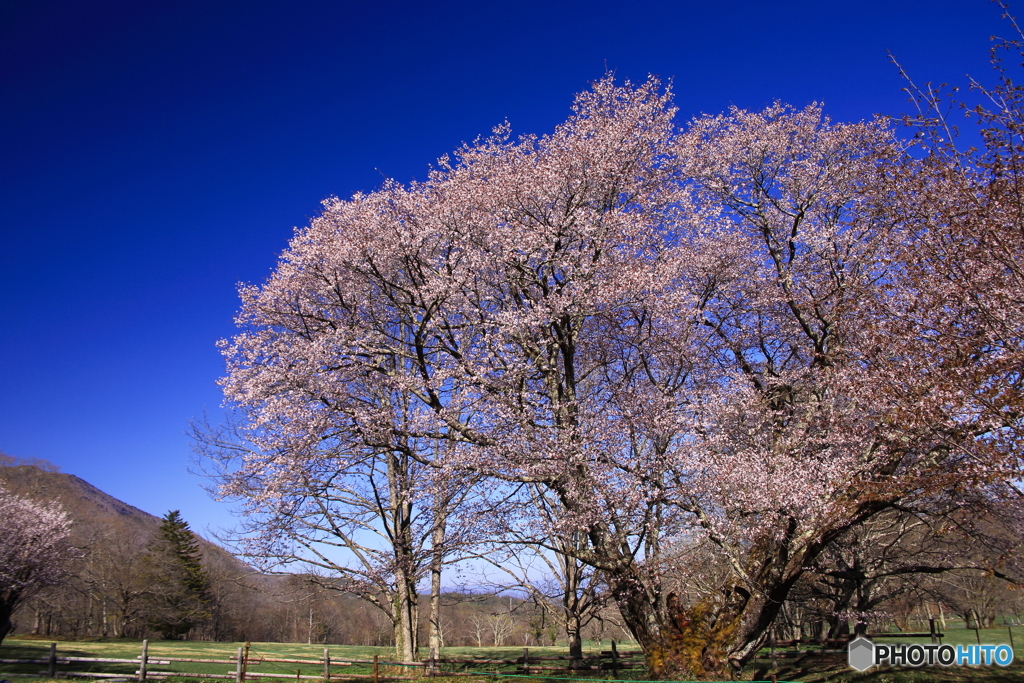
x=895 y=575
x=164 y=586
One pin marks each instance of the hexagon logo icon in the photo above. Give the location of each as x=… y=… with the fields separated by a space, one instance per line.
x=861 y=654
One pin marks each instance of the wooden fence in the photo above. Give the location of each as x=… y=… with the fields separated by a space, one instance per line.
x=245 y=663
x=608 y=660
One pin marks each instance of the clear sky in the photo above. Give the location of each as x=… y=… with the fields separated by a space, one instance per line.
x=155 y=154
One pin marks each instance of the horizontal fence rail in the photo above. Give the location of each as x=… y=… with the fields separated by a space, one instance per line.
x=321 y=669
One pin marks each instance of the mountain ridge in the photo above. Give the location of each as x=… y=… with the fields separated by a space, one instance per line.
x=91 y=509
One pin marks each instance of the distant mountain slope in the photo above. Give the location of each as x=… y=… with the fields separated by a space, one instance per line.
x=86 y=503
x=92 y=510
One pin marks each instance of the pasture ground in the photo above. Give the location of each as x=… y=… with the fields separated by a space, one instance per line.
x=812 y=668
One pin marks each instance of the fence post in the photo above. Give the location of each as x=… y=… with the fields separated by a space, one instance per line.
x=977 y=636
x=1010 y=631
x=615 y=660
x=376 y=670
x=245 y=661
x=144 y=660
x=526 y=660
x=327 y=665
x=51 y=669
x=931 y=630
x=238 y=667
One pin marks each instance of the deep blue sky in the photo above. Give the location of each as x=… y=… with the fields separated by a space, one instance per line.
x=154 y=154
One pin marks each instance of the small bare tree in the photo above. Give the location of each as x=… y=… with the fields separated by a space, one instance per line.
x=502 y=626
x=479 y=626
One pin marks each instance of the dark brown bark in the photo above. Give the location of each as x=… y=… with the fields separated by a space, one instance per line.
x=5 y=620
x=716 y=636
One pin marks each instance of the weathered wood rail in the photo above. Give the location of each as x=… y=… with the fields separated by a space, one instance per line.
x=243 y=663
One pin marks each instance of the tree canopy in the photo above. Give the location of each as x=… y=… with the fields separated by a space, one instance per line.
x=179 y=599
x=751 y=333
x=34 y=551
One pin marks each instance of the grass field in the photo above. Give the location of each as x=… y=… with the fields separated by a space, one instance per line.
x=965 y=636
x=811 y=669
x=826 y=669
x=35 y=648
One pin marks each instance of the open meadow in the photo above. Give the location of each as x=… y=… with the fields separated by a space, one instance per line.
x=259 y=653
x=812 y=668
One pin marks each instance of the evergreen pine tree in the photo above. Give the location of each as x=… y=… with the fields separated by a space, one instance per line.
x=181 y=596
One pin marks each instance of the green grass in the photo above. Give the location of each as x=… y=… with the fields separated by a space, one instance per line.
x=20 y=648
x=812 y=669
x=36 y=648
x=840 y=673
x=965 y=636
x=833 y=668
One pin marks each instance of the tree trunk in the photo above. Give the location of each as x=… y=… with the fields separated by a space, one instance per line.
x=715 y=637
x=820 y=629
x=5 y=620
x=399 y=518
x=436 y=559
x=572 y=634
x=103 y=616
x=574 y=600
x=405 y=626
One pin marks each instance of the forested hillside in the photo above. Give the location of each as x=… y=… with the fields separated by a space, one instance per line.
x=115 y=584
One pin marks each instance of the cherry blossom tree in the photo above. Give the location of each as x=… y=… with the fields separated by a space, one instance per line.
x=966 y=263
x=675 y=334
x=419 y=305
x=34 y=549
x=372 y=522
